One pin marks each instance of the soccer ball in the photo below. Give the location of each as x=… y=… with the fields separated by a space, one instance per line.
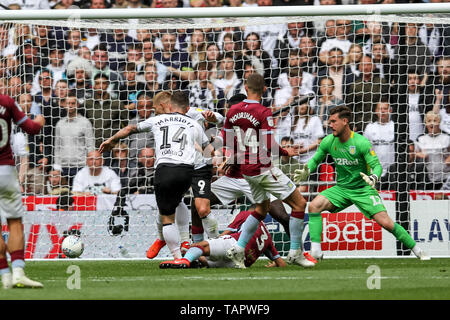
x=72 y=246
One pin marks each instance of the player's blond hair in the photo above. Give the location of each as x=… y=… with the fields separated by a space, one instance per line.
x=162 y=97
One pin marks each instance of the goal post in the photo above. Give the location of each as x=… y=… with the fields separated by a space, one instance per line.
x=388 y=63
x=416 y=9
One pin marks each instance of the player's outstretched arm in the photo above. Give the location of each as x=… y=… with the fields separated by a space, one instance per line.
x=279 y=262
x=293 y=151
x=33 y=126
x=111 y=142
x=226 y=166
x=39 y=120
x=225 y=233
x=213 y=117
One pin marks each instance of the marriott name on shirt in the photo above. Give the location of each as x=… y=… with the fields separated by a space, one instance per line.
x=174 y=118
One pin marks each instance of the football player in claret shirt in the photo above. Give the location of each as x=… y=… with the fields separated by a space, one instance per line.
x=212 y=252
x=249 y=129
x=11 y=207
x=232 y=185
x=353 y=157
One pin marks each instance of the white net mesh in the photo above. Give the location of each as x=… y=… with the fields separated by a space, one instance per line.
x=89 y=78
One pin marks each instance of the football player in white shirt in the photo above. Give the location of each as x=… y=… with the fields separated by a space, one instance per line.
x=201 y=183
x=176 y=138
x=203 y=172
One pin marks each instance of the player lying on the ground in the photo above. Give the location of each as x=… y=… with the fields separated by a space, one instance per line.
x=355 y=184
x=212 y=252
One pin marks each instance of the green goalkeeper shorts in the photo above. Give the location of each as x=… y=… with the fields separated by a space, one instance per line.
x=365 y=199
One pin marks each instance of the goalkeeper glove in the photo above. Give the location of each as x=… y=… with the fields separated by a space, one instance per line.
x=370 y=180
x=301 y=174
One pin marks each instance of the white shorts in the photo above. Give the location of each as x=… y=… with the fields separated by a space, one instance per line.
x=229 y=189
x=274 y=182
x=217 y=252
x=11 y=206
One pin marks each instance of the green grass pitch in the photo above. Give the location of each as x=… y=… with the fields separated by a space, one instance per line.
x=331 y=279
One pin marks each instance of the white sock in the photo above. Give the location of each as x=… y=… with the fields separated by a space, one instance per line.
x=211 y=226
x=159 y=227
x=172 y=238
x=416 y=250
x=316 y=249
x=182 y=219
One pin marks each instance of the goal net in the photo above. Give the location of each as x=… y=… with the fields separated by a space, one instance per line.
x=92 y=76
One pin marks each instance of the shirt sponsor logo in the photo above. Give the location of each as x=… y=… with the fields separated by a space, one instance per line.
x=346 y=162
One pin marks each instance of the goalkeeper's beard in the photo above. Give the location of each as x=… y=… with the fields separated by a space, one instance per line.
x=336 y=133
x=339 y=133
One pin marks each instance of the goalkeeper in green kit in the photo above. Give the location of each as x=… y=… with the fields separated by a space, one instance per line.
x=358 y=170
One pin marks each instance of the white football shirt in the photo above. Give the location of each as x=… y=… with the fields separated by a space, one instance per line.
x=382 y=137
x=415 y=119
x=19 y=144
x=176 y=138
x=306 y=134
x=85 y=182
x=196 y=114
x=445 y=120
x=437 y=149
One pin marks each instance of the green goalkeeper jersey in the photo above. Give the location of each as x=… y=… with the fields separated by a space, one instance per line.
x=350 y=158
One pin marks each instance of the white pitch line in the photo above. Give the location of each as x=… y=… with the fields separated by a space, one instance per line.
x=224 y=278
